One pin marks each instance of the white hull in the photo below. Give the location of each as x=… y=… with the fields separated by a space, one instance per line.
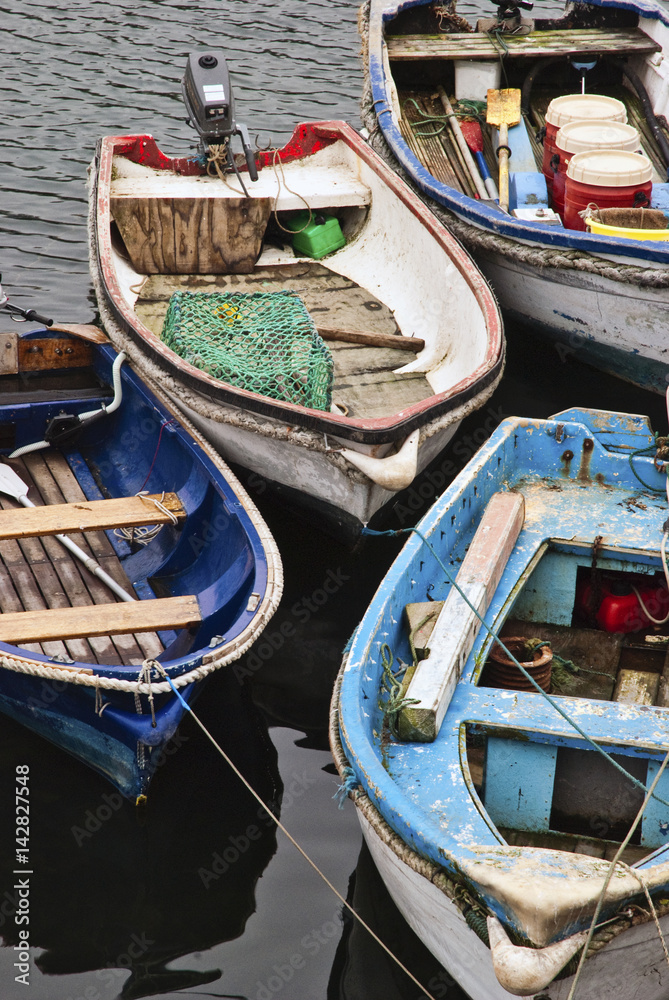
x=302 y=461
x=632 y=966
x=618 y=327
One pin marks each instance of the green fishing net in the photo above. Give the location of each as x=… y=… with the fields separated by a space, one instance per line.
x=264 y=342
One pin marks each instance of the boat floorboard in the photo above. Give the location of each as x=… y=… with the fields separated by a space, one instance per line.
x=364 y=379
x=39 y=573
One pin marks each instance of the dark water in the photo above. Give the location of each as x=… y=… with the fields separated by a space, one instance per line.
x=203 y=898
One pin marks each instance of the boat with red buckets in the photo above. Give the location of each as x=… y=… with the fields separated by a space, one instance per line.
x=577 y=242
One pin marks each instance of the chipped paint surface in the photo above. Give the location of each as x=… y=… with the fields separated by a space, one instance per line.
x=426 y=793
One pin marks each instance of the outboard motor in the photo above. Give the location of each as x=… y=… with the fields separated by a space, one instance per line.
x=509 y=17
x=211 y=110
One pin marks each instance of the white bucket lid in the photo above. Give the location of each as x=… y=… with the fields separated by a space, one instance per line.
x=580 y=136
x=610 y=168
x=579 y=107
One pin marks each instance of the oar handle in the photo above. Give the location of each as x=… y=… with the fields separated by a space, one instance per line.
x=503 y=158
x=462 y=144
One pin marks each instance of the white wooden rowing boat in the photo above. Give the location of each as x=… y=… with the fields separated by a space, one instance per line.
x=400 y=275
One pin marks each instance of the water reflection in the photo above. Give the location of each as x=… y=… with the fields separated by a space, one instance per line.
x=117 y=891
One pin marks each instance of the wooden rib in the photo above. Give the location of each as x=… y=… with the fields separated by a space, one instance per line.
x=109 y=619
x=478 y=45
x=89 y=515
x=400 y=343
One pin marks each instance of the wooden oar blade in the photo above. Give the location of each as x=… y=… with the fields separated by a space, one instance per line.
x=11 y=484
x=503 y=107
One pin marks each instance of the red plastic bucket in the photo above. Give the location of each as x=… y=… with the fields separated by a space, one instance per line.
x=573 y=108
x=583 y=136
x=607 y=178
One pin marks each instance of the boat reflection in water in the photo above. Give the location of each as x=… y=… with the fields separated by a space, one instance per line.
x=120 y=890
x=362 y=968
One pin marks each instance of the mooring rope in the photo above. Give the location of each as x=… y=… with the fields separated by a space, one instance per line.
x=275 y=819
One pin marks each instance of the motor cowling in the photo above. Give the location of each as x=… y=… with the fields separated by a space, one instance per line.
x=208 y=96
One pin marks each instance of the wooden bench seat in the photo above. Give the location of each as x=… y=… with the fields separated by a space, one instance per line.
x=88 y=515
x=480 y=45
x=163 y=613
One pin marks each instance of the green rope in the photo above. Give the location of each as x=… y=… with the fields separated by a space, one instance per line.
x=643 y=451
x=588 y=739
x=394 y=702
x=426 y=119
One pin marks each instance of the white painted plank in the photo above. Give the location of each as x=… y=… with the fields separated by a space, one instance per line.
x=435 y=677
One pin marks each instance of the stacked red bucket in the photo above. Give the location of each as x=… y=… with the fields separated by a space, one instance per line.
x=592 y=157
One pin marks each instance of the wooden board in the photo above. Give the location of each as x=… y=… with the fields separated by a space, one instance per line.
x=89 y=515
x=636 y=687
x=39 y=573
x=191 y=235
x=480 y=45
x=109 y=619
x=434 y=679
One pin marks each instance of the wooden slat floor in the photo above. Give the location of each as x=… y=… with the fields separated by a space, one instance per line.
x=39 y=573
x=438 y=153
x=364 y=381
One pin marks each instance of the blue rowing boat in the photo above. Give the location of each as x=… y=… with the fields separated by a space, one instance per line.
x=132 y=562
x=600 y=291
x=501 y=717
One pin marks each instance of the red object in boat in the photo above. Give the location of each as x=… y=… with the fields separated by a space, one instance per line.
x=606 y=178
x=620 y=609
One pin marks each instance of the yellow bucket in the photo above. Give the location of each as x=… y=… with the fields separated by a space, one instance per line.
x=628 y=234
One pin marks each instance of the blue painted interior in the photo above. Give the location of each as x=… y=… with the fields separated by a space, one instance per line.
x=216 y=555
x=421 y=789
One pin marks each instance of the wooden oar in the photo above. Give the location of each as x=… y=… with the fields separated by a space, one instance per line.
x=12 y=485
x=503 y=110
x=473 y=136
x=464 y=148
x=393 y=341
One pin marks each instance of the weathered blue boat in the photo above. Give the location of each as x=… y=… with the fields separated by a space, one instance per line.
x=167 y=529
x=501 y=718
x=601 y=294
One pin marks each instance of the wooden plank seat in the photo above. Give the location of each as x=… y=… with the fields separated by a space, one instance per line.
x=163 y=613
x=89 y=515
x=37 y=573
x=480 y=45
